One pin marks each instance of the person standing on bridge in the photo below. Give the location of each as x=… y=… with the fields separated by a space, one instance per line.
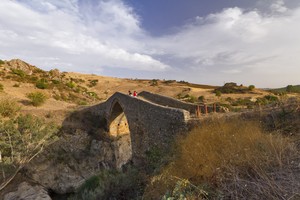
x=135 y=94
x=129 y=93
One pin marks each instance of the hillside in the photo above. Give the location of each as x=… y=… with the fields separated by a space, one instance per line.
x=67 y=90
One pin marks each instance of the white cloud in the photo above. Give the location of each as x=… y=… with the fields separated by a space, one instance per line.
x=245 y=46
x=101 y=34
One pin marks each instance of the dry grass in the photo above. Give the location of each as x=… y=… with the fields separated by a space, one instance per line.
x=231 y=160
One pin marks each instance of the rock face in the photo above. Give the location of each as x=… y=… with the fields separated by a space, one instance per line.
x=69 y=162
x=27 y=192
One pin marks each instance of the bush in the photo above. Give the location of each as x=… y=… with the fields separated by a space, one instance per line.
x=71 y=84
x=271 y=98
x=56 y=82
x=218 y=93
x=42 y=84
x=192 y=99
x=201 y=98
x=251 y=87
x=37 y=98
x=93 y=83
x=18 y=72
x=1 y=62
x=8 y=107
x=169 y=81
x=153 y=82
x=17 y=85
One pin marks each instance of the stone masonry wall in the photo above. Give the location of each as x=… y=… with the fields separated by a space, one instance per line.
x=151 y=125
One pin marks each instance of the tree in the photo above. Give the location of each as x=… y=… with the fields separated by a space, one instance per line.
x=289 y=88
x=251 y=87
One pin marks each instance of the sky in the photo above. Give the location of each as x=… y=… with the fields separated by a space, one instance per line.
x=210 y=42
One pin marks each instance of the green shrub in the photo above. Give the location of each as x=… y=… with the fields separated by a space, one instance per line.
x=201 y=98
x=8 y=107
x=37 y=98
x=271 y=98
x=82 y=103
x=92 y=94
x=218 y=93
x=153 y=82
x=16 y=85
x=192 y=99
x=169 y=81
x=33 y=79
x=71 y=84
x=1 y=62
x=42 y=84
x=251 y=87
x=93 y=83
x=18 y=72
x=56 y=82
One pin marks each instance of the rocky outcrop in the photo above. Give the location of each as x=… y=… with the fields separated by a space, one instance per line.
x=20 y=65
x=26 y=191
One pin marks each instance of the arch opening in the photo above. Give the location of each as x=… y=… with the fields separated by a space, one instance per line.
x=119 y=130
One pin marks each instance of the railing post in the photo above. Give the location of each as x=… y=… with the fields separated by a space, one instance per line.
x=215 y=107
x=205 y=109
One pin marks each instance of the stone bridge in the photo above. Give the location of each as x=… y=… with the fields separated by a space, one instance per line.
x=141 y=124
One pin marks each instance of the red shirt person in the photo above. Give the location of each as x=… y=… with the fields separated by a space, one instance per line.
x=135 y=94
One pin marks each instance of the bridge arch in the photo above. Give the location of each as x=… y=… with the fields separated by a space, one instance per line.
x=119 y=130
x=118 y=123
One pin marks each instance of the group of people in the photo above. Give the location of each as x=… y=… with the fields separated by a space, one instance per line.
x=134 y=93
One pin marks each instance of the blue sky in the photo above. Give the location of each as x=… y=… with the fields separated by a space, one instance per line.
x=201 y=41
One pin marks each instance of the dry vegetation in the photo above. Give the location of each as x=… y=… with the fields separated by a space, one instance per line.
x=231 y=159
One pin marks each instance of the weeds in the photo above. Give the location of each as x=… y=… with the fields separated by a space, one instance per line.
x=8 y=107
x=37 y=98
